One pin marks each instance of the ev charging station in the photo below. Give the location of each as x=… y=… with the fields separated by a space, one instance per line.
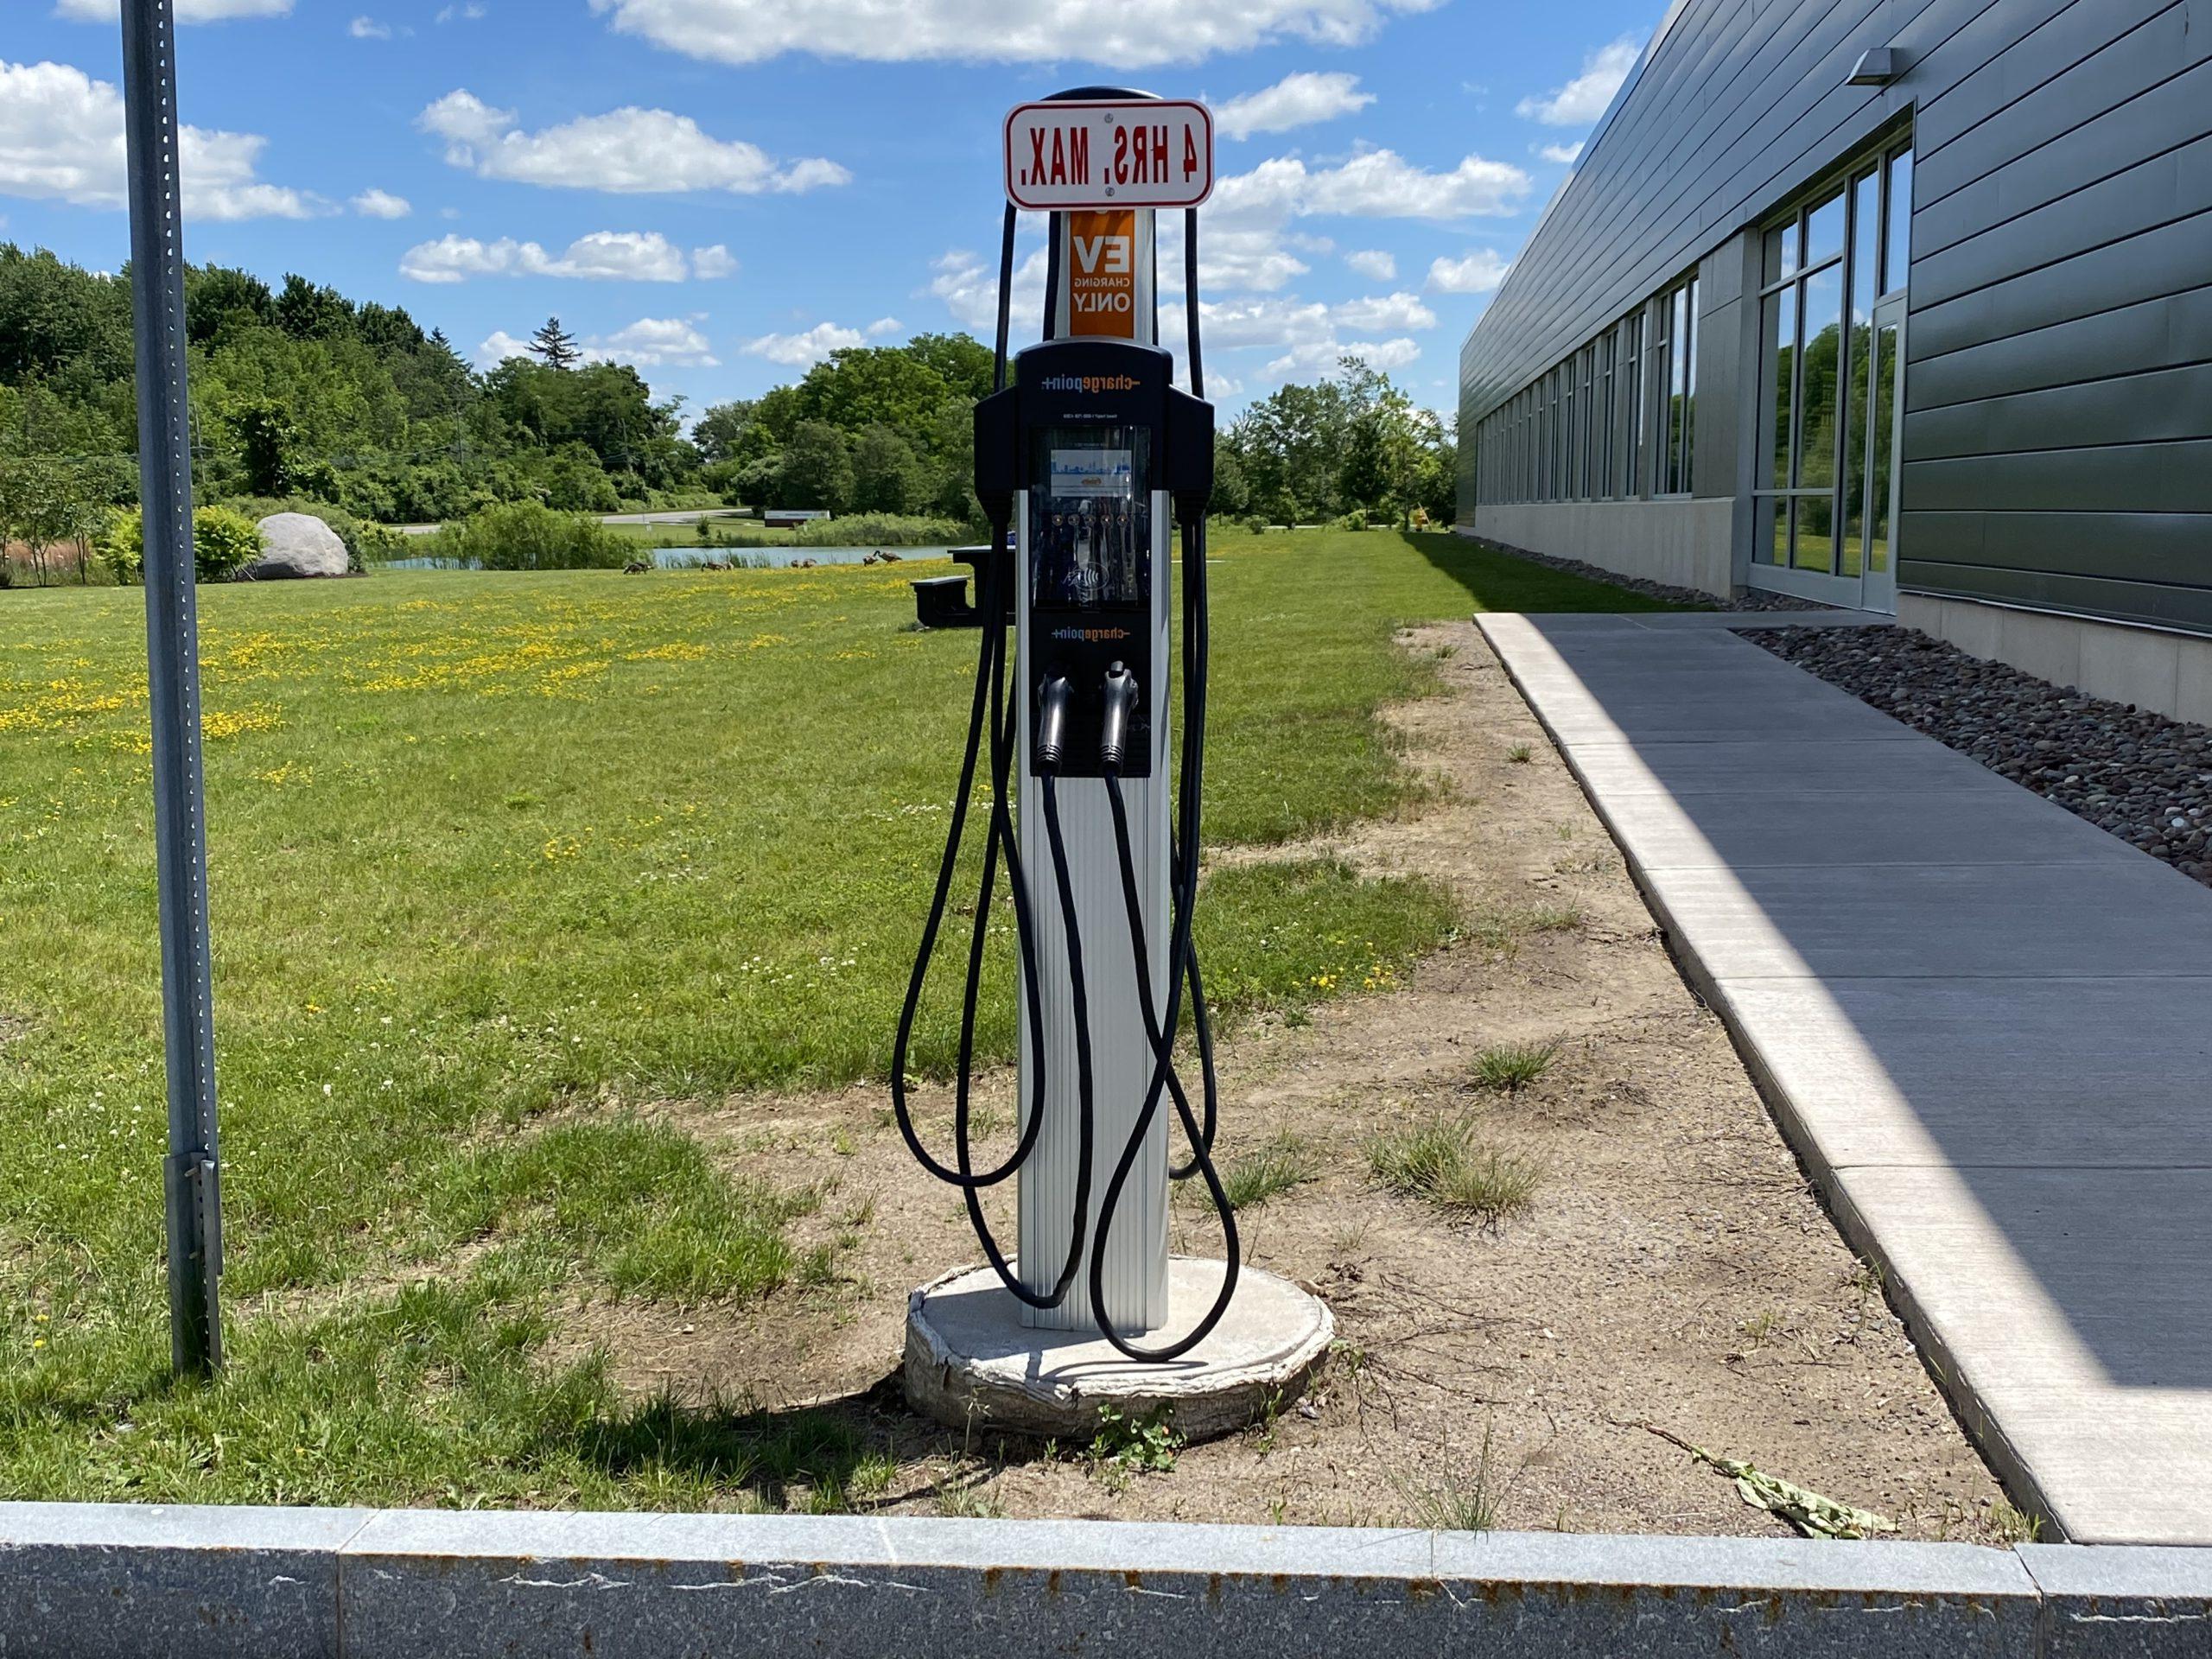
x=1094 y=469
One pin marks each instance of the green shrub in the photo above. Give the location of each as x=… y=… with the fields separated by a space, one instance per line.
x=123 y=549
x=881 y=530
x=224 y=542
x=525 y=536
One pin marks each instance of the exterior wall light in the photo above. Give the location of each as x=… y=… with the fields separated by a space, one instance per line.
x=1877 y=66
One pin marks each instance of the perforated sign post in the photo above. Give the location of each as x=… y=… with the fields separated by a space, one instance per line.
x=191 y=1175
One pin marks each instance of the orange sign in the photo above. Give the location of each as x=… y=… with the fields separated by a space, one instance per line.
x=1101 y=274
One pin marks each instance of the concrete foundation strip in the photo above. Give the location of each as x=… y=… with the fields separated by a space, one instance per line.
x=127 y=1581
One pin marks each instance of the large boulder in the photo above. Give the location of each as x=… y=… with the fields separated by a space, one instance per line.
x=295 y=544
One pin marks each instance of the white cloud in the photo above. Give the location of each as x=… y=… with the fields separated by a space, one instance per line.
x=1583 y=100
x=1247 y=242
x=883 y=326
x=1236 y=325
x=1253 y=260
x=648 y=343
x=603 y=256
x=712 y=264
x=1478 y=273
x=1125 y=33
x=368 y=29
x=468 y=14
x=1381 y=314
x=803 y=351
x=188 y=11
x=1563 y=155
x=627 y=151
x=1374 y=263
x=1307 y=336
x=61 y=140
x=970 y=287
x=1321 y=357
x=381 y=204
x=654 y=342
x=1372 y=184
x=498 y=348
x=1296 y=100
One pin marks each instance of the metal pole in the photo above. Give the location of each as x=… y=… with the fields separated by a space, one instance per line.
x=191 y=1183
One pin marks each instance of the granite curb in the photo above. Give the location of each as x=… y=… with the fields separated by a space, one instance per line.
x=182 y=1582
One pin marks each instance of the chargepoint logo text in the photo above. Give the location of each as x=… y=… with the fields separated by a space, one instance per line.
x=1088 y=383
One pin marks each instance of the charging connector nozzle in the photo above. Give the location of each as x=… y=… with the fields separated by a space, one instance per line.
x=1121 y=714
x=1055 y=701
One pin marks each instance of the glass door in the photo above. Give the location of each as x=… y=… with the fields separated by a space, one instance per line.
x=1885 y=427
x=1830 y=389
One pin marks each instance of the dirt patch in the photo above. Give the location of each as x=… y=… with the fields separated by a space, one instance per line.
x=1671 y=1267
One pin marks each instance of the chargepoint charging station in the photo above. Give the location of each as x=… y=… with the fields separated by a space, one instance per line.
x=1094 y=469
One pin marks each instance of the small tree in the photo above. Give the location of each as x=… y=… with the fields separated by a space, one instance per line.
x=816 y=469
x=267 y=437
x=886 y=476
x=555 y=346
x=1232 y=491
x=15 y=510
x=39 y=507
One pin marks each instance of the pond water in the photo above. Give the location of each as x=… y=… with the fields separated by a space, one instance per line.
x=690 y=557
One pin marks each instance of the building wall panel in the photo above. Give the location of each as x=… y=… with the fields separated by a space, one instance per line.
x=2058 y=446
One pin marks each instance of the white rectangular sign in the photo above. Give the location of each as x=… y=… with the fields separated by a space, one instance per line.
x=1113 y=153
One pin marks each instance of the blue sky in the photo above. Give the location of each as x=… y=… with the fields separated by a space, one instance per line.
x=720 y=190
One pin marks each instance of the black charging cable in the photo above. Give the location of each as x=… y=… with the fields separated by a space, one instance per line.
x=990 y=711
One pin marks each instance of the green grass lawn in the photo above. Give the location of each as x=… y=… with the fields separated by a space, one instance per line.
x=488 y=846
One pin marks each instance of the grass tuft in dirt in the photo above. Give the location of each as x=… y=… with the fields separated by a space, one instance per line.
x=2012 y=1525
x=1510 y=1067
x=1443 y=1160
x=1285 y=1162
x=1456 y=1505
x=975 y=1502
x=1503 y=930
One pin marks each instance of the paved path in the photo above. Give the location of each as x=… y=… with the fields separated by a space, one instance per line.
x=1985 y=1023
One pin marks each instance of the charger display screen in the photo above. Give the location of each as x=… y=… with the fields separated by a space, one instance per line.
x=1090 y=519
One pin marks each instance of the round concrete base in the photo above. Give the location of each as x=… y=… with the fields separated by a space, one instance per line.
x=970 y=1362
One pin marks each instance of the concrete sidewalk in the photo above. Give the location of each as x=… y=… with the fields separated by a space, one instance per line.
x=1984 y=1025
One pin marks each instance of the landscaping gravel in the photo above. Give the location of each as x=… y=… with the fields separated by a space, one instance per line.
x=2146 y=779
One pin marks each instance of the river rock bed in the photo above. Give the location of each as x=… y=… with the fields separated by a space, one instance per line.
x=2144 y=778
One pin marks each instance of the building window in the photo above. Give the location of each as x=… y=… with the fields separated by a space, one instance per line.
x=1821 y=371
x=1670 y=362
x=1632 y=422
x=1602 y=410
x=1572 y=404
x=1555 y=449
x=1587 y=479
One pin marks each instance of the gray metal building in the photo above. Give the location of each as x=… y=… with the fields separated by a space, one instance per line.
x=1899 y=304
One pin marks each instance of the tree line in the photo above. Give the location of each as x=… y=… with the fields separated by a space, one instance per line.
x=301 y=395
x=1353 y=446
